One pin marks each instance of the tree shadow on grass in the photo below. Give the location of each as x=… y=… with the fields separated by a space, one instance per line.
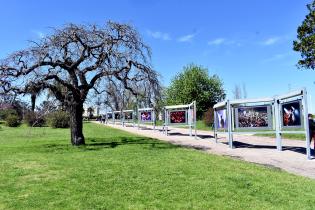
x=111 y=143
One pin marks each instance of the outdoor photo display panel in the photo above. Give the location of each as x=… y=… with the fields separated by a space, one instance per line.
x=109 y=116
x=146 y=116
x=128 y=116
x=291 y=114
x=221 y=119
x=253 y=117
x=117 y=116
x=178 y=117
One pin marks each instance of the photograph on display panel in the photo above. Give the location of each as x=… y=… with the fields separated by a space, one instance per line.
x=117 y=116
x=146 y=116
x=109 y=116
x=221 y=119
x=128 y=115
x=291 y=114
x=253 y=117
x=178 y=117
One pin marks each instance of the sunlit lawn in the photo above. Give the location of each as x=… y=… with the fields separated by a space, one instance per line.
x=118 y=170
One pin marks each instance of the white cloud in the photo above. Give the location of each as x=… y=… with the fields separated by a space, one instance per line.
x=271 y=41
x=186 y=38
x=159 y=35
x=39 y=34
x=217 y=41
x=277 y=57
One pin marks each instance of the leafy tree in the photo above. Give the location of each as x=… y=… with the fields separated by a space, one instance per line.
x=305 y=43
x=195 y=84
x=74 y=60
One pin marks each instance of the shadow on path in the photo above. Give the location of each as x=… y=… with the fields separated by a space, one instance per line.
x=297 y=149
x=202 y=136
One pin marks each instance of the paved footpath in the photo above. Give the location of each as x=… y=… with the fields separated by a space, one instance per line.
x=261 y=150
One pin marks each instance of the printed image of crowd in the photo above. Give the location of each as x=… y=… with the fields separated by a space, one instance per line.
x=128 y=115
x=145 y=116
x=221 y=119
x=252 y=117
x=291 y=114
x=178 y=117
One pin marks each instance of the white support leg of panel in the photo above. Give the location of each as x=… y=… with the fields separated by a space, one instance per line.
x=306 y=125
x=278 y=125
x=229 y=114
x=195 y=119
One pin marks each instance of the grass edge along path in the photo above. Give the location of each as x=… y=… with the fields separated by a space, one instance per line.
x=119 y=170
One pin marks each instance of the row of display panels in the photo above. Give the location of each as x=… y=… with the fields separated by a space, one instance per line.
x=256 y=117
x=145 y=116
x=175 y=117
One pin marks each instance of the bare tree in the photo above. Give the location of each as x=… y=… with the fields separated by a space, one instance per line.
x=244 y=91
x=237 y=92
x=119 y=98
x=73 y=60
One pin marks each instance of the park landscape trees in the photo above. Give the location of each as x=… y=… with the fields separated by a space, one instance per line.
x=76 y=59
x=195 y=84
x=305 y=43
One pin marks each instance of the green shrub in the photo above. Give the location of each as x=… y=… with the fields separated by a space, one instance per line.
x=59 y=119
x=12 y=121
x=4 y=113
x=34 y=119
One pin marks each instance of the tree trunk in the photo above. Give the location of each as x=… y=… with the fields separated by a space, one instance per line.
x=76 y=123
x=33 y=101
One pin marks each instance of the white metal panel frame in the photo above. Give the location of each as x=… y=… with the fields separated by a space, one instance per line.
x=107 y=120
x=153 y=117
x=124 y=120
x=190 y=114
x=277 y=103
x=114 y=117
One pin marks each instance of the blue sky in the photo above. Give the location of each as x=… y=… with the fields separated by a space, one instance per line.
x=244 y=41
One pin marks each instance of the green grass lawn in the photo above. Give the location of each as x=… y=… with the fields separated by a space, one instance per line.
x=295 y=136
x=200 y=125
x=118 y=170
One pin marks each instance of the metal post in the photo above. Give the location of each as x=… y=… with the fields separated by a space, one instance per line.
x=278 y=125
x=229 y=115
x=123 y=119
x=195 y=118
x=166 y=122
x=154 y=119
x=306 y=125
x=190 y=121
x=138 y=113
x=215 y=126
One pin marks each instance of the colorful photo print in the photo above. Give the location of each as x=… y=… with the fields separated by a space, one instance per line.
x=249 y=117
x=178 y=117
x=221 y=119
x=146 y=116
x=291 y=114
x=109 y=116
x=117 y=116
x=128 y=115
